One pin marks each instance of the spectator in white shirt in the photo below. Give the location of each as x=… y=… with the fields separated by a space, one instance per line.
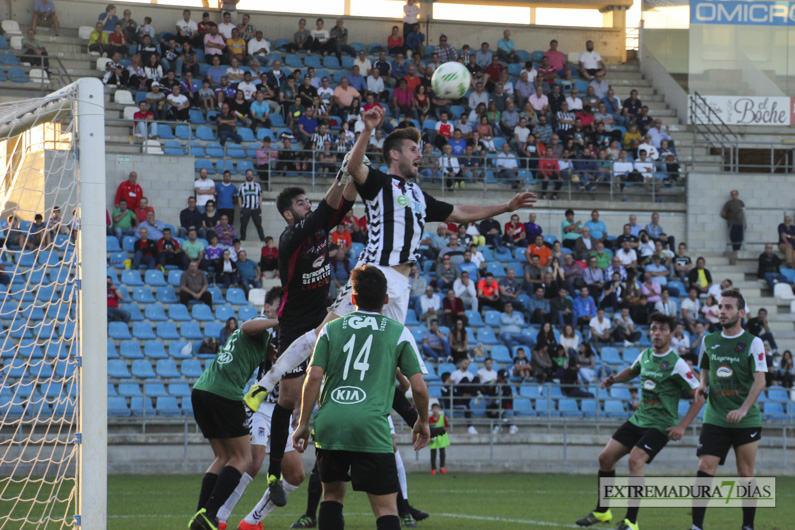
x=225 y=28
x=478 y=96
x=464 y=288
x=575 y=103
x=258 y=48
x=691 y=310
x=622 y=168
x=645 y=167
x=247 y=86
x=627 y=255
x=508 y=166
x=680 y=342
x=375 y=85
x=364 y=64
x=450 y=168
x=430 y=306
x=591 y=62
x=600 y=328
x=656 y=134
x=665 y=305
x=647 y=146
x=187 y=30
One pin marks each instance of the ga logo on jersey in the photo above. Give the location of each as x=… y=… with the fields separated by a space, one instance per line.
x=740 y=347
x=224 y=357
x=348 y=395
x=649 y=384
x=724 y=371
x=357 y=322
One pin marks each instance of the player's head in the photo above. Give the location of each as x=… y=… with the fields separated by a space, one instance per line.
x=293 y=205
x=731 y=308
x=402 y=153
x=369 y=288
x=273 y=299
x=661 y=330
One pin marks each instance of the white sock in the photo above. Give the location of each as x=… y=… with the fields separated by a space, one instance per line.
x=226 y=510
x=299 y=351
x=265 y=506
x=404 y=487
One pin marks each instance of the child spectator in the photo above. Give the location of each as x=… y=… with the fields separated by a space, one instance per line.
x=521 y=365
x=439 y=443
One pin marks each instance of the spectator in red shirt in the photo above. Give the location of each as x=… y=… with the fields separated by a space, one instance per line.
x=269 y=258
x=557 y=59
x=489 y=292
x=453 y=309
x=142 y=209
x=394 y=42
x=341 y=238
x=493 y=71
x=356 y=226
x=548 y=74
x=130 y=190
x=549 y=171
x=114 y=297
x=145 y=125
x=514 y=232
x=539 y=249
x=169 y=251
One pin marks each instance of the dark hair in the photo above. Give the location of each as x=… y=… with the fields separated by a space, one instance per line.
x=272 y=294
x=395 y=140
x=660 y=318
x=285 y=199
x=734 y=293
x=369 y=288
x=569 y=211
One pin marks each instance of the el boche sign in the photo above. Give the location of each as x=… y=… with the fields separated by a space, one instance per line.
x=754 y=110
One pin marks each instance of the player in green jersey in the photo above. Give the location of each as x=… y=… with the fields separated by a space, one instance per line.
x=663 y=375
x=356 y=358
x=218 y=408
x=733 y=368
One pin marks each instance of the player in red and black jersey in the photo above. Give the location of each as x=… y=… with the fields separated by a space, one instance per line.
x=305 y=274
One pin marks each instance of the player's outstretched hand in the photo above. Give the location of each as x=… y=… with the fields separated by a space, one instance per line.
x=521 y=200
x=373 y=117
x=607 y=381
x=735 y=416
x=421 y=434
x=701 y=392
x=676 y=432
x=300 y=438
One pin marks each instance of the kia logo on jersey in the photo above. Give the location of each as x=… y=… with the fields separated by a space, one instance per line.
x=348 y=395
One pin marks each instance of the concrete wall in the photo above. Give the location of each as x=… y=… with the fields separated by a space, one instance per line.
x=765 y=198
x=609 y=42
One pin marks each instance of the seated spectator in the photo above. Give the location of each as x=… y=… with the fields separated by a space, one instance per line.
x=98 y=40
x=680 y=343
x=465 y=289
x=624 y=328
x=489 y=292
x=152 y=225
x=572 y=273
x=594 y=277
x=658 y=271
x=759 y=327
x=538 y=248
x=169 y=251
x=430 y=306
x=224 y=231
x=115 y=313
x=156 y=101
x=226 y=272
x=699 y=278
x=229 y=327
x=601 y=328
x=193 y=250
x=44 y=15
x=650 y=289
x=665 y=306
x=124 y=221
x=627 y=256
x=193 y=286
x=585 y=244
x=542 y=366
x=769 y=268
x=435 y=346
x=415 y=41
x=584 y=308
x=178 y=105
x=533 y=274
x=341 y=238
x=539 y=307
x=511 y=324
x=144 y=250
x=571 y=380
x=510 y=289
x=453 y=309
x=786 y=240
x=249 y=272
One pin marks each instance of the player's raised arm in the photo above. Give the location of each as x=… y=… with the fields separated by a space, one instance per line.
x=627 y=374
x=356 y=166
x=258 y=325
x=466 y=213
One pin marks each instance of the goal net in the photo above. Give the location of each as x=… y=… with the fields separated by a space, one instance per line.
x=52 y=310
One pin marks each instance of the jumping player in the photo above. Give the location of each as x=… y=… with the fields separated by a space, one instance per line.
x=358 y=392
x=663 y=375
x=305 y=275
x=397 y=210
x=218 y=408
x=260 y=428
x=733 y=368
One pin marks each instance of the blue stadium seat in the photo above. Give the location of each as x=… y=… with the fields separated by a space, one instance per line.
x=155 y=313
x=213 y=329
x=119 y=331
x=117 y=406
x=236 y=296
x=619 y=392
x=589 y=407
x=235 y=151
x=202 y=313
x=247 y=312
x=129 y=389
x=217 y=295
x=174 y=277
x=474 y=318
x=630 y=354
x=610 y=356
x=143 y=331
x=329 y=62
x=486 y=336
x=167 y=406
x=523 y=407
x=203 y=132
x=173 y=148
x=128 y=243
x=493 y=318
x=277 y=120
x=112 y=353
x=496 y=268
x=183 y=132
x=142 y=369
x=191 y=331
x=141 y=406
x=224 y=312
x=154 y=389
x=501 y=354
x=777 y=393
x=244 y=165
x=130 y=349
x=167 y=369
x=178 y=313
x=191 y=368
x=167 y=331
x=112 y=244
x=143 y=295
x=17 y=75
x=204 y=164
x=179 y=390
x=568 y=408
x=176 y=347
x=154 y=349
x=166 y=295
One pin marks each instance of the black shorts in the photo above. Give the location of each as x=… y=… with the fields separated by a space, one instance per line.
x=219 y=417
x=650 y=440
x=373 y=473
x=716 y=440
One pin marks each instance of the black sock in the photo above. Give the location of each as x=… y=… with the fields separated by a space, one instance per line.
x=208 y=483
x=632 y=513
x=442 y=456
x=388 y=522
x=313 y=494
x=280 y=428
x=402 y=505
x=699 y=512
x=433 y=458
x=330 y=516
x=228 y=480
x=406 y=410
x=749 y=512
x=603 y=474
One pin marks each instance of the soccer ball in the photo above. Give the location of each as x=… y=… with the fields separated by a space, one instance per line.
x=451 y=80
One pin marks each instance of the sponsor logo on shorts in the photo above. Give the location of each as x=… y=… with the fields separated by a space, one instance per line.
x=724 y=371
x=649 y=384
x=261 y=431
x=348 y=395
x=753 y=434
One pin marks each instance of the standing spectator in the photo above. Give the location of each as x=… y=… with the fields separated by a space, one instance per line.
x=193 y=286
x=124 y=221
x=44 y=15
x=411 y=19
x=769 y=268
x=786 y=240
x=734 y=213
x=130 y=191
x=204 y=188
x=435 y=346
x=169 y=251
x=145 y=250
x=250 y=196
x=438 y=443
x=511 y=324
x=115 y=313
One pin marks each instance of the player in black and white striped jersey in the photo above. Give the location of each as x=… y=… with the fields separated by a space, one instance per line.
x=250 y=196
x=397 y=210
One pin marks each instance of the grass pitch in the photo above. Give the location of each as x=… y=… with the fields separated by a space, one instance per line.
x=455 y=502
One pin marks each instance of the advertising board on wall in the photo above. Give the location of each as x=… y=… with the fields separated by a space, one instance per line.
x=754 y=110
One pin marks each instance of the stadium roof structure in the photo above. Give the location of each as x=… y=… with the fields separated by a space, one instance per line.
x=574 y=4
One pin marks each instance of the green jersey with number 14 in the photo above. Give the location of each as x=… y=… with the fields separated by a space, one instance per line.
x=359 y=354
x=731 y=362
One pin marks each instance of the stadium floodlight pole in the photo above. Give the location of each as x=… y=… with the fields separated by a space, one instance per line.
x=93 y=400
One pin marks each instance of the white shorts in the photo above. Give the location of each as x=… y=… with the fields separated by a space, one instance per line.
x=260 y=427
x=397 y=288
x=391 y=425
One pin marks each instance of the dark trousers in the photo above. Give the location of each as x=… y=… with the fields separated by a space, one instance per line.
x=168 y=258
x=736 y=235
x=255 y=214
x=205 y=298
x=37 y=60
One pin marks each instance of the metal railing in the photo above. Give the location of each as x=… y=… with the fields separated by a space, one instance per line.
x=57 y=75
x=708 y=126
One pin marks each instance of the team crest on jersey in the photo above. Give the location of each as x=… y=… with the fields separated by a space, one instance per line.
x=225 y=357
x=740 y=347
x=665 y=365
